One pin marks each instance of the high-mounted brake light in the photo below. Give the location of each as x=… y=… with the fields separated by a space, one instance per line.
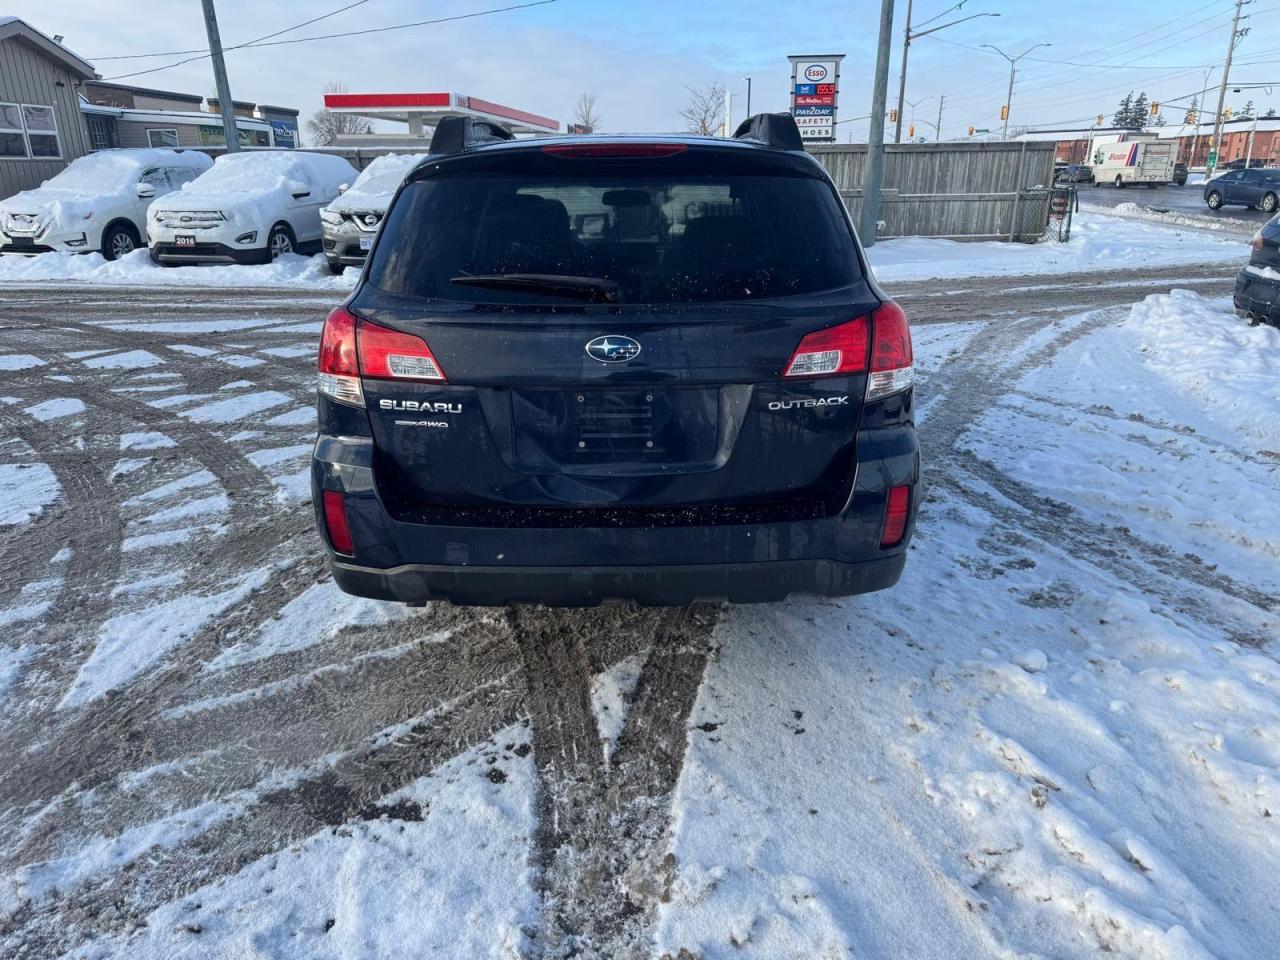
x=391 y=355
x=830 y=352
x=897 y=509
x=891 y=355
x=588 y=151
x=335 y=521
x=339 y=364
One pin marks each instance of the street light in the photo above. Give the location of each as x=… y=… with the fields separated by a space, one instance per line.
x=748 y=79
x=1008 y=100
x=910 y=35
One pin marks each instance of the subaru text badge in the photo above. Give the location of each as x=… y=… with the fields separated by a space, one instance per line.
x=613 y=349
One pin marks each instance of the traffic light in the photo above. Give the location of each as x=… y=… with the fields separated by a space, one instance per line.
x=971 y=131
x=1226 y=113
x=1155 y=108
x=1004 y=112
x=893 y=116
x=1193 y=116
x=911 y=130
x=1101 y=119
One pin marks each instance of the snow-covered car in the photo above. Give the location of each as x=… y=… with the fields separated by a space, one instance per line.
x=350 y=222
x=1257 y=293
x=250 y=207
x=99 y=202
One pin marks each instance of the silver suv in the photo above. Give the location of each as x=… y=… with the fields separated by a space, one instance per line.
x=351 y=220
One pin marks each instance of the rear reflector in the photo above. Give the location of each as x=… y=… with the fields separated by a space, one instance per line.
x=588 y=151
x=830 y=352
x=895 y=516
x=335 y=521
x=391 y=355
x=339 y=365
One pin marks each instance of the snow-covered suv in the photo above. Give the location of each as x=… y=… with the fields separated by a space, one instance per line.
x=99 y=202
x=350 y=222
x=249 y=208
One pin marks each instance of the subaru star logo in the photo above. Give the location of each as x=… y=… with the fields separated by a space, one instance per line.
x=613 y=349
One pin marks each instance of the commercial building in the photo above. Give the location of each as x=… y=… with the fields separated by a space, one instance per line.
x=41 y=127
x=420 y=111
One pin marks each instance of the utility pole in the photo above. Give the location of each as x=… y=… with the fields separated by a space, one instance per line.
x=1013 y=66
x=902 y=77
x=875 y=136
x=1222 y=89
x=748 y=79
x=938 y=128
x=909 y=35
x=229 y=132
x=1195 y=136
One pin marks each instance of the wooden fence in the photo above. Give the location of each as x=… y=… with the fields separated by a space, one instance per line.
x=964 y=191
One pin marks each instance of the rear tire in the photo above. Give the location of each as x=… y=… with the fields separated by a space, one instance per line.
x=119 y=240
x=1119 y=182
x=1214 y=200
x=1269 y=203
x=1152 y=186
x=336 y=269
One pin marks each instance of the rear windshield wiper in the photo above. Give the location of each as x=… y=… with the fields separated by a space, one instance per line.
x=594 y=289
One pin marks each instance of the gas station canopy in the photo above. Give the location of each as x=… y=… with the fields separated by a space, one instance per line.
x=421 y=110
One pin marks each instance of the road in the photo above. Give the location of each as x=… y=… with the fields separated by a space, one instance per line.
x=1188 y=199
x=176 y=423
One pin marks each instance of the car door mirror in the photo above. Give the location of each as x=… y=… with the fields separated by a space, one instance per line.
x=146 y=191
x=299 y=190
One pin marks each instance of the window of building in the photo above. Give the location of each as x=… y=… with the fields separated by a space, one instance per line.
x=42 y=130
x=12 y=142
x=28 y=130
x=167 y=137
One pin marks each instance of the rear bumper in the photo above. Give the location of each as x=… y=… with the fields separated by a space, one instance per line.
x=647 y=585
x=758 y=561
x=1259 y=296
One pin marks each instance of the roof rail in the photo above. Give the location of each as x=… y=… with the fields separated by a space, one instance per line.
x=777 y=130
x=457 y=134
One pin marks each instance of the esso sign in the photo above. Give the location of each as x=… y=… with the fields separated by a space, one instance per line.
x=815 y=73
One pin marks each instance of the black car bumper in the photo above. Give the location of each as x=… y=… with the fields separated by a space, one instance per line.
x=760 y=560
x=1258 y=297
x=207 y=253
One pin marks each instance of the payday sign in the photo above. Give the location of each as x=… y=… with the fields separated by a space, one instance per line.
x=815 y=87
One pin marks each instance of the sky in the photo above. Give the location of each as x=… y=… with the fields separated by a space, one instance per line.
x=639 y=56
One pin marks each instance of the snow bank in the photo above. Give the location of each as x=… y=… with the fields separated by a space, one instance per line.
x=25 y=490
x=1207 y=351
x=1098 y=242
x=137 y=269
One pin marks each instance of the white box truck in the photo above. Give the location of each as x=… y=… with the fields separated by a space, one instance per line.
x=1122 y=159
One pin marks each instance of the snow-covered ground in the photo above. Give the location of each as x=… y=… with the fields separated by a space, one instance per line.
x=1098 y=241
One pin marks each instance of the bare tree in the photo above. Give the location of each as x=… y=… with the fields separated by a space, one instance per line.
x=326 y=126
x=705 y=111
x=585 y=117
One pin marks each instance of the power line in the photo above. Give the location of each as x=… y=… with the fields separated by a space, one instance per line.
x=349 y=33
x=247 y=43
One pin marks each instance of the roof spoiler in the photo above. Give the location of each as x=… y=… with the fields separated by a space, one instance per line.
x=458 y=134
x=777 y=130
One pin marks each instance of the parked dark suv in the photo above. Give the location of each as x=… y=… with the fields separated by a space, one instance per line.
x=1257 y=294
x=585 y=368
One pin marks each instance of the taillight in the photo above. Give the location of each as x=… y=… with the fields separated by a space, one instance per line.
x=830 y=352
x=1256 y=243
x=891 y=357
x=896 y=511
x=339 y=365
x=351 y=347
x=391 y=355
x=335 y=521
x=602 y=151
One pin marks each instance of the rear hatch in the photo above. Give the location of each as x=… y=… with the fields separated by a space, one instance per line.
x=613 y=332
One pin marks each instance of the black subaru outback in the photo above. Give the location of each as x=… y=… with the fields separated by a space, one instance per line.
x=585 y=368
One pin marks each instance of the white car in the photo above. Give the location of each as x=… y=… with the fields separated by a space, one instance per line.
x=351 y=221
x=251 y=207
x=98 y=203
